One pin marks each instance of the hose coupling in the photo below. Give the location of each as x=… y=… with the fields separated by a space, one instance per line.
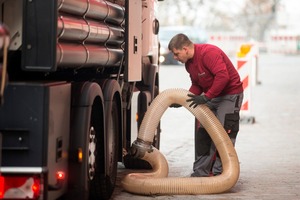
x=140 y=147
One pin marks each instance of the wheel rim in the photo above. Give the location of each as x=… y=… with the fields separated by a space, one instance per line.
x=92 y=153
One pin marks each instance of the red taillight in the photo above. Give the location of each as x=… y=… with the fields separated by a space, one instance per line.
x=21 y=187
x=60 y=175
x=36 y=188
x=1 y=187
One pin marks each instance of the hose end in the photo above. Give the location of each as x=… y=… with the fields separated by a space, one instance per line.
x=140 y=147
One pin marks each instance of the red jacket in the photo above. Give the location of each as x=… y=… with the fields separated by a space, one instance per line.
x=212 y=72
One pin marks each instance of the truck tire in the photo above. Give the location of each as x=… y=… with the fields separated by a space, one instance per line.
x=95 y=129
x=87 y=130
x=110 y=141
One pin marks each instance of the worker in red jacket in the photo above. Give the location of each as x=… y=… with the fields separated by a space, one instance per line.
x=216 y=83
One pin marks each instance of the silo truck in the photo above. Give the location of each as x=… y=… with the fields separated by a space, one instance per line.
x=68 y=77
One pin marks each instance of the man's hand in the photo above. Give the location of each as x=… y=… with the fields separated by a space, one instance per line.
x=196 y=100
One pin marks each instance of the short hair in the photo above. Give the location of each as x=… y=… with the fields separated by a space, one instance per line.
x=178 y=41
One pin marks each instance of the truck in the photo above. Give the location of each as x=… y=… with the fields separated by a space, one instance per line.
x=69 y=74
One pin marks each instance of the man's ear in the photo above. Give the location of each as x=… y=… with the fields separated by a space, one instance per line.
x=186 y=49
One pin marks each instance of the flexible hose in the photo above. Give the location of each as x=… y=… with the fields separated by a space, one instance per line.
x=156 y=181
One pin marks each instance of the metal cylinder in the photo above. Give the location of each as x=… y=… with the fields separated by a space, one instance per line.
x=79 y=55
x=95 y=9
x=114 y=13
x=114 y=56
x=75 y=7
x=74 y=29
x=85 y=30
x=79 y=30
x=71 y=55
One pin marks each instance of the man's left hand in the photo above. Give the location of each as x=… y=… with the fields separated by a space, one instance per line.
x=196 y=100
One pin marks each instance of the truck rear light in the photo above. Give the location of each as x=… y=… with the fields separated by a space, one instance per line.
x=60 y=178
x=20 y=187
x=60 y=175
x=1 y=187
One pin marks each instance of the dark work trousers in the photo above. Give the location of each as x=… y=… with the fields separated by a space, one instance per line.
x=226 y=108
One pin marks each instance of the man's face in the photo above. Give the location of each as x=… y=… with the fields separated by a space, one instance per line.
x=180 y=54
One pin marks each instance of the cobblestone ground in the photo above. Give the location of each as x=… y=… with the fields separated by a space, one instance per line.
x=268 y=150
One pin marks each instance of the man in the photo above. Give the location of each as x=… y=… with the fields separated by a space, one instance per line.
x=216 y=83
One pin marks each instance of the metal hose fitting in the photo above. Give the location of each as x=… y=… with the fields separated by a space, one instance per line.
x=140 y=147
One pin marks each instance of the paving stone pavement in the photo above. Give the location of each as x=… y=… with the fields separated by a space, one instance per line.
x=268 y=150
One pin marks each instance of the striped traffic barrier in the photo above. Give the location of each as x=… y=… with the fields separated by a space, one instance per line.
x=244 y=64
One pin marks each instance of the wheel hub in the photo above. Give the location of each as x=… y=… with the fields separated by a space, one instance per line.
x=92 y=153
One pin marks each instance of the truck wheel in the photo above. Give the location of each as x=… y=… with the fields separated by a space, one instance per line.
x=103 y=155
x=110 y=142
x=103 y=145
x=96 y=125
x=87 y=133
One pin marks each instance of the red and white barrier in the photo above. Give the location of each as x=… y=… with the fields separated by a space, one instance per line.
x=244 y=69
x=246 y=65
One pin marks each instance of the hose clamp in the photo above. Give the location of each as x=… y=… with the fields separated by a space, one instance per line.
x=140 y=147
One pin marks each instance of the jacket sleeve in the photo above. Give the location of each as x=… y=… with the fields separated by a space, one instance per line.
x=216 y=65
x=195 y=89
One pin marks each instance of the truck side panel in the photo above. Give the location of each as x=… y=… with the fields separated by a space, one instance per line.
x=23 y=122
x=39 y=35
x=34 y=122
